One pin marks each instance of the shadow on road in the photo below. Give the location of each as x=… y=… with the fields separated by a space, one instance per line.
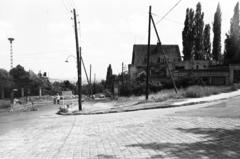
x=218 y=143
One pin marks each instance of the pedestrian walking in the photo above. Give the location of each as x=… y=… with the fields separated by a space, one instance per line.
x=58 y=98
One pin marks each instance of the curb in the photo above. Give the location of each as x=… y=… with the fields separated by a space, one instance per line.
x=131 y=110
x=116 y=110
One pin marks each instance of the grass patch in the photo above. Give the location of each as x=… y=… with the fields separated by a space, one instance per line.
x=202 y=91
x=169 y=94
x=4 y=104
x=192 y=92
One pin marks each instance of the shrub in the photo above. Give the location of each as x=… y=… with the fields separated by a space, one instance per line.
x=201 y=91
x=235 y=87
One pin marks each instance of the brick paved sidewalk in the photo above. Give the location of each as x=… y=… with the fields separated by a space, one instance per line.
x=148 y=134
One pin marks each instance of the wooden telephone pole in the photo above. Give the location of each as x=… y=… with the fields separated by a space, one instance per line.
x=148 y=52
x=78 y=52
x=90 y=81
x=151 y=20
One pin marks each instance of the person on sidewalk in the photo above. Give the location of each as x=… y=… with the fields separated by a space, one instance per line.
x=58 y=98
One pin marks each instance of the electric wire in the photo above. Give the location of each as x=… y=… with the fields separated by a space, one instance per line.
x=169 y=20
x=170 y=10
x=67 y=8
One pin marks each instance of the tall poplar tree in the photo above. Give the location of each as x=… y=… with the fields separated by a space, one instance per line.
x=207 y=42
x=188 y=35
x=109 y=77
x=198 y=33
x=217 y=34
x=232 y=48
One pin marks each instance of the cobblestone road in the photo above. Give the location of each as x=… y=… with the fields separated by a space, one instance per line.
x=148 y=134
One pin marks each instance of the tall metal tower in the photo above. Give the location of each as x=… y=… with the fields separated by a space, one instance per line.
x=11 y=52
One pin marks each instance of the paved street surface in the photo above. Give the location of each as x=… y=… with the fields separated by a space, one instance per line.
x=147 y=134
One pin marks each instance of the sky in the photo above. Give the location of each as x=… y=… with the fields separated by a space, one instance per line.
x=44 y=33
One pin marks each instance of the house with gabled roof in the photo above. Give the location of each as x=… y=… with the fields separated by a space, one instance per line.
x=201 y=70
x=158 y=70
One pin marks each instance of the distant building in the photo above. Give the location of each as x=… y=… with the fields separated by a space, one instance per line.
x=203 y=72
x=158 y=69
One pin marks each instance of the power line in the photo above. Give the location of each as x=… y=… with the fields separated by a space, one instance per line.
x=174 y=21
x=67 y=8
x=168 y=19
x=169 y=11
x=74 y=4
x=71 y=2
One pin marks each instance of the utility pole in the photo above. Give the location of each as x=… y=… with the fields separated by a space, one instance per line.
x=148 y=51
x=90 y=75
x=94 y=83
x=90 y=80
x=122 y=73
x=78 y=52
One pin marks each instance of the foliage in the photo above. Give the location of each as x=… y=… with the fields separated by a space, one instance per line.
x=198 y=33
x=20 y=76
x=187 y=35
x=207 y=42
x=98 y=87
x=5 y=83
x=232 y=47
x=109 y=78
x=201 y=91
x=58 y=87
x=216 y=52
x=192 y=35
x=5 y=79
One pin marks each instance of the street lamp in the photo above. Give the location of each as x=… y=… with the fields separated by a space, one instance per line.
x=79 y=82
x=90 y=87
x=69 y=57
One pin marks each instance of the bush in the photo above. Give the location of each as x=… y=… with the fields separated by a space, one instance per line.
x=137 y=88
x=235 y=87
x=107 y=93
x=201 y=91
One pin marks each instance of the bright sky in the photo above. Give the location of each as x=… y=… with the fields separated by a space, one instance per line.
x=44 y=35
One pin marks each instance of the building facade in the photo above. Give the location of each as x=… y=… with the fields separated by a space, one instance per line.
x=202 y=71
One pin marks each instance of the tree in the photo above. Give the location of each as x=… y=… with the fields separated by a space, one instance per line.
x=5 y=81
x=34 y=84
x=188 y=35
x=207 y=42
x=109 y=81
x=217 y=34
x=232 y=48
x=20 y=76
x=198 y=33
x=68 y=86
